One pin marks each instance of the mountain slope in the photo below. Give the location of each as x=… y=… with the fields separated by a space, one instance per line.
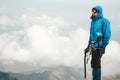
x=52 y=73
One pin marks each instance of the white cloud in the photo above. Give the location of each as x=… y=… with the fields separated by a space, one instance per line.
x=37 y=42
x=43 y=20
x=4 y=20
x=25 y=20
x=41 y=44
x=111 y=59
x=11 y=49
x=7 y=23
x=54 y=48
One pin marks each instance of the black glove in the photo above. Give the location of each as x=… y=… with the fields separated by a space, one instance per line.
x=86 y=50
x=102 y=50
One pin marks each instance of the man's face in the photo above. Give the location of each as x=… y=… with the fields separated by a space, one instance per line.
x=94 y=12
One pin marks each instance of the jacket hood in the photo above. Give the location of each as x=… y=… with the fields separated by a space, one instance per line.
x=100 y=14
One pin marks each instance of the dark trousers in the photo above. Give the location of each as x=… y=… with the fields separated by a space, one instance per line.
x=96 y=64
x=96 y=59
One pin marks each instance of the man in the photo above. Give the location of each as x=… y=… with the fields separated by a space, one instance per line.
x=100 y=34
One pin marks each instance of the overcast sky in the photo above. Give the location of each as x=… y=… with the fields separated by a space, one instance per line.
x=53 y=32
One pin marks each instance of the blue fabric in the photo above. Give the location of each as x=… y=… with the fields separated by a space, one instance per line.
x=100 y=27
x=96 y=74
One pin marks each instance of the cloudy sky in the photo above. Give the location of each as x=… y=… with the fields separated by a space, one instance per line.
x=35 y=33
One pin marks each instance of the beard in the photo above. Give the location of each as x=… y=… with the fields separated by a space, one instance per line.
x=92 y=17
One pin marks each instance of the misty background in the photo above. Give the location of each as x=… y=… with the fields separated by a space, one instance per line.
x=40 y=33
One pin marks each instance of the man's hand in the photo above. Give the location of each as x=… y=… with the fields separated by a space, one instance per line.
x=86 y=50
x=102 y=51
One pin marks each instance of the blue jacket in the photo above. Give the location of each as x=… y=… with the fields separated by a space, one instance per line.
x=100 y=27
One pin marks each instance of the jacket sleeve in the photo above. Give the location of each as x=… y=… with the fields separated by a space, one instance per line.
x=106 y=33
x=89 y=41
x=89 y=36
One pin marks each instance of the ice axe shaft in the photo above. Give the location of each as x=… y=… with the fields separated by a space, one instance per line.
x=85 y=66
